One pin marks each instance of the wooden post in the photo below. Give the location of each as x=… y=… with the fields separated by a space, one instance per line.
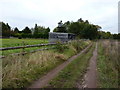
x=23 y=49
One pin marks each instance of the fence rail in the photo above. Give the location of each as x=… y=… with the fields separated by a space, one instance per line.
x=29 y=46
x=26 y=46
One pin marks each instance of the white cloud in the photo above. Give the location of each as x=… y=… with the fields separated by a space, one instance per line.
x=48 y=12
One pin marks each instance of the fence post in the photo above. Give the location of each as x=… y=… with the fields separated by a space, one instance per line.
x=23 y=49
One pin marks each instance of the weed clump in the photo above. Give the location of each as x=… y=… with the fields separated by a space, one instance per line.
x=60 y=47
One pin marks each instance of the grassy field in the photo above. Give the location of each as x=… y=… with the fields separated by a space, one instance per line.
x=20 y=42
x=21 y=71
x=108 y=64
x=74 y=72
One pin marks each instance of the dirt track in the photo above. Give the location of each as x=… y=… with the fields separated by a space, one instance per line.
x=90 y=78
x=43 y=81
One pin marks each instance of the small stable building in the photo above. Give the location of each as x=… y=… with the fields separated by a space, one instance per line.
x=62 y=37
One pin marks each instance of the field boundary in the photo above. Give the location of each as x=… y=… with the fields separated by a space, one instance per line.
x=23 y=53
x=26 y=46
x=29 y=46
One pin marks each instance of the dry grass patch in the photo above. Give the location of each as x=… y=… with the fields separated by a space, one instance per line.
x=20 y=71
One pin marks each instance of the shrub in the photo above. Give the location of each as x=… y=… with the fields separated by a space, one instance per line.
x=61 y=47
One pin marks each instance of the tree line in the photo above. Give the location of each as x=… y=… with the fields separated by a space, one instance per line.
x=36 y=32
x=81 y=28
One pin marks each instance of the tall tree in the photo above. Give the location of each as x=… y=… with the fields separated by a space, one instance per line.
x=61 y=28
x=40 y=32
x=35 y=33
x=5 y=30
x=80 y=20
x=27 y=30
x=16 y=30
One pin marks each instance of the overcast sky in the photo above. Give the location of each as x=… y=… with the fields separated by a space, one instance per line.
x=21 y=13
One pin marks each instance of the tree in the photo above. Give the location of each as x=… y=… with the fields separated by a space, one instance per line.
x=35 y=33
x=75 y=28
x=108 y=35
x=80 y=20
x=6 y=30
x=26 y=33
x=47 y=32
x=66 y=25
x=87 y=21
x=116 y=36
x=41 y=32
x=61 y=28
x=9 y=28
x=98 y=27
x=16 y=30
x=27 y=30
x=89 y=32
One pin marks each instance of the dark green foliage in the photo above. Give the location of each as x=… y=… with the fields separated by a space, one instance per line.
x=16 y=30
x=16 y=33
x=60 y=48
x=74 y=28
x=105 y=35
x=89 y=32
x=82 y=29
x=36 y=32
x=60 y=29
x=6 y=30
x=116 y=36
x=26 y=30
x=41 y=32
x=80 y=20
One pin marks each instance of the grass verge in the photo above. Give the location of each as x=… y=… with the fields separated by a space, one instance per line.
x=69 y=76
x=107 y=64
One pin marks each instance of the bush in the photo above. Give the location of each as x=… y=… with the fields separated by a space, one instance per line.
x=77 y=45
x=61 y=47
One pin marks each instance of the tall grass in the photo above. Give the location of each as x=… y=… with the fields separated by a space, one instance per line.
x=108 y=64
x=21 y=71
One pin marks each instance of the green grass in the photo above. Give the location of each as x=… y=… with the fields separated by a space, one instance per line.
x=21 y=71
x=19 y=42
x=106 y=64
x=69 y=76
